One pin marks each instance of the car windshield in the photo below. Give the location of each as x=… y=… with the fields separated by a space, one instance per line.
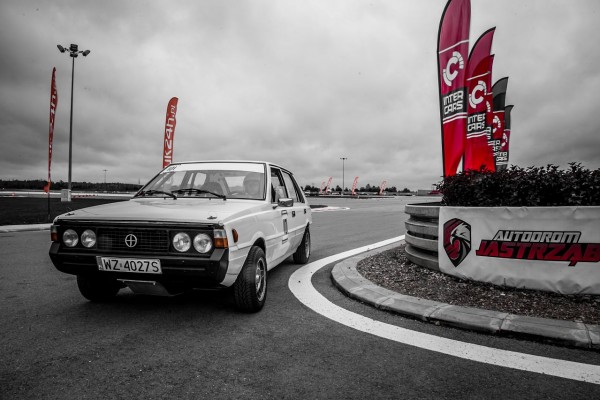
x=212 y=180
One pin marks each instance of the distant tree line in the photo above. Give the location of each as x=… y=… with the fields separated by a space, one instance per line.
x=367 y=188
x=38 y=184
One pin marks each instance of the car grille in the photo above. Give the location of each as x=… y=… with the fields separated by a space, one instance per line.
x=146 y=239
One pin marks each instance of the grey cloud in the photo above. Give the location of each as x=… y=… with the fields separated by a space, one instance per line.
x=300 y=83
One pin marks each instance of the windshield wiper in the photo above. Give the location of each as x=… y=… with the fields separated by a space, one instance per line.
x=200 y=191
x=151 y=192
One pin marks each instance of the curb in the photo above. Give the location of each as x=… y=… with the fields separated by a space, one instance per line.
x=354 y=285
x=24 y=228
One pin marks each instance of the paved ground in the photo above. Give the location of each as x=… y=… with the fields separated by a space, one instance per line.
x=54 y=344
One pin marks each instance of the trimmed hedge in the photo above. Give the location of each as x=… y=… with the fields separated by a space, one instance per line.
x=517 y=187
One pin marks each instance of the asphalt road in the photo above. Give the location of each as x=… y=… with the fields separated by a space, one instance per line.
x=55 y=344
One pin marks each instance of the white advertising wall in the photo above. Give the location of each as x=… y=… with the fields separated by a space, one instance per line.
x=544 y=248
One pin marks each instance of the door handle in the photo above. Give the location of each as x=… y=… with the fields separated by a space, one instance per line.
x=284 y=212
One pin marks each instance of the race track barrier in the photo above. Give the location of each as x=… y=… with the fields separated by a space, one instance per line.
x=422 y=234
x=554 y=249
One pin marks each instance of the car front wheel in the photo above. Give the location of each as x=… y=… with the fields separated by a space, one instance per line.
x=302 y=254
x=97 y=289
x=250 y=288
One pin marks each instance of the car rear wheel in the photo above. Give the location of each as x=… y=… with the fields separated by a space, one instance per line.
x=96 y=288
x=250 y=288
x=302 y=254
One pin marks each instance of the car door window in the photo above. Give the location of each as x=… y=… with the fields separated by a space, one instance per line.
x=292 y=190
x=277 y=186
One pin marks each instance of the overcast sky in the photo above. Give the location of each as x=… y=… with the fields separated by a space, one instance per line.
x=300 y=83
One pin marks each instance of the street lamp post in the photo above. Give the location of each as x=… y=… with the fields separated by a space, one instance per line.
x=73 y=53
x=343 y=173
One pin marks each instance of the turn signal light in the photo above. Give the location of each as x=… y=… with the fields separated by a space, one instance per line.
x=54 y=233
x=235 y=235
x=220 y=239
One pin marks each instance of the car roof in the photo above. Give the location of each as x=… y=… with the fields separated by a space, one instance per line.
x=234 y=161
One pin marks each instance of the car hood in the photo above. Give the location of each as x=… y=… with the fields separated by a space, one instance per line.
x=195 y=210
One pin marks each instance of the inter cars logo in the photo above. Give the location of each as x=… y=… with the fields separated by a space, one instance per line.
x=504 y=140
x=450 y=73
x=457 y=240
x=497 y=124
x=480 y=88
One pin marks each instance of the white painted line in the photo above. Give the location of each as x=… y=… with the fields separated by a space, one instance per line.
x=328 y=208
x=301 y=286
x=23 y=228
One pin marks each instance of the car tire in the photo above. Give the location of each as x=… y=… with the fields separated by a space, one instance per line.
x=97 y=289
x=302 y=253
x=250 y=287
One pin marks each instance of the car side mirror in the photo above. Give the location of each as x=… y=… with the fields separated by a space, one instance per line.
x=285 y=202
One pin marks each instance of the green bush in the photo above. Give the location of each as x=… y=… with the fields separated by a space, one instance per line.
x=518 y=187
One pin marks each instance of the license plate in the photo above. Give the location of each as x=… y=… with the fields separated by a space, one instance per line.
x=129 y=265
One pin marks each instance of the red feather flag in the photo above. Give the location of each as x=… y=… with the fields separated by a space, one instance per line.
x=498 y=124
x=170 y=123
x=478 y=153
x=354 y=185
x=482 y=48
x=505 y=141
x=53 y=105
x=453 y=50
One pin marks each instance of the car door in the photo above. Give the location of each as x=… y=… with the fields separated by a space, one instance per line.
x=281 y=242
x=297 y=214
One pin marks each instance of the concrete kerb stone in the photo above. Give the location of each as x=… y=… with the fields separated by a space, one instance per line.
x=470 y=318
x=594 y=332
x=345 y=276
x=24 y=228
x=567 y=332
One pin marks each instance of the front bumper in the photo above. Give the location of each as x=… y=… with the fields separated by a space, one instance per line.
x=178 y=272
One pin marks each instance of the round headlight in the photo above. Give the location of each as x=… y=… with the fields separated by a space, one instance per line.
x=202 y=243
x=182 y=242
x=70 y=238
x=88 y=238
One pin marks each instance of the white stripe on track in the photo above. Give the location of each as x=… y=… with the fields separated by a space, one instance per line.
x=301 y=286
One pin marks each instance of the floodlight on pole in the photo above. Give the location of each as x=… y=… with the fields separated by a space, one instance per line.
x=73 y=51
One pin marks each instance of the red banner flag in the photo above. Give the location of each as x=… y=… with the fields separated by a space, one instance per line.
x=354 y=185
x=53 y=104
x=382 y=187
x=322 y=187
x=453 y=50
x=505 y=141
x=170 y=132
x=482 y=48
x=497 y=133
x=328 y=184
x=478 y=152
x=498 y=124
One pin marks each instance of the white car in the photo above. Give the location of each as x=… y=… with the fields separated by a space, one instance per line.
x=194 y=225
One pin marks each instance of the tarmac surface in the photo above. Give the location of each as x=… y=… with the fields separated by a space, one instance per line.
x=350 y=282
